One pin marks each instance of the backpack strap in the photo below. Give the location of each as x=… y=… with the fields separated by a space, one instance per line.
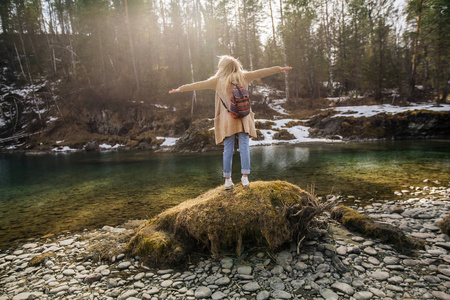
x=224 y=105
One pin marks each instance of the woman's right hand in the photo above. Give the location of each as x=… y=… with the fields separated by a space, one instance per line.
x=174 y=91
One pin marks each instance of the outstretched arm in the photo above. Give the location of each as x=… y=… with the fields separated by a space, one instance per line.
x=197 y=86
x=250 y=76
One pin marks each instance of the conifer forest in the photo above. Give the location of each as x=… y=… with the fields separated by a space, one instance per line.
x=119 y=53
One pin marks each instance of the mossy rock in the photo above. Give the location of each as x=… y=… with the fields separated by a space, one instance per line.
x=265 y=214
x=265 y=125
x=444 y=225
x=283 y=134
x=354 y=221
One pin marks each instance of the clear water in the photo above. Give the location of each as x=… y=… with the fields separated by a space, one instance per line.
x=53 y=193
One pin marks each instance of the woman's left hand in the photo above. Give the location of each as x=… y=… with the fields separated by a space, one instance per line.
x=174 y=91
x=284 y=69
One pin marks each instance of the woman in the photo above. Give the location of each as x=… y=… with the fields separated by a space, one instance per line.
x=230 y=71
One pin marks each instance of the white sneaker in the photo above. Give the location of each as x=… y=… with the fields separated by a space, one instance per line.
x=229 y=184
x=244 y=181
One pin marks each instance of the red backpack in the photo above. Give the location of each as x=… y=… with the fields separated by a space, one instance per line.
x=240 y=102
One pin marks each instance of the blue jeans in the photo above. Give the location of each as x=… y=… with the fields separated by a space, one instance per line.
x=228 y=151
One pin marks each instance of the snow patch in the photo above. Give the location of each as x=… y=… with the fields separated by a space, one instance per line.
x=109 y=147
x=168 y=141
x=276 y=106
x=300 y=132
x=164 y=107
x=372 y=110
x=64 y=149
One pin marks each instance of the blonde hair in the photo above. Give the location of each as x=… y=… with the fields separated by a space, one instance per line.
x=230 y=70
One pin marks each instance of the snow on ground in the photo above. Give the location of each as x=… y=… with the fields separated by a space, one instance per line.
x=276 y=106
x=109 y=147
x=64 y=149
x=299 y=131
x=168 y=141
x=372 y=110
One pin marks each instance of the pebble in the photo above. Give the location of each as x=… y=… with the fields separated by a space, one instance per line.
x=202 y=292
x=343 y=287
x=379 y=275
x=329 y=294
x=251 y=287
x=370 y=268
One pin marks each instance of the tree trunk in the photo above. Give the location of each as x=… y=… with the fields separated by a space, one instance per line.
x=412 y=82
x=131 y=47
x=273 y=24
x=286 y=78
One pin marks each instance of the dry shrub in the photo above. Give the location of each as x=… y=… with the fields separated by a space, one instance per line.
x=40 y=259
x=354 y=221
x=105 y=246
x=267 y=214
x=444 y=225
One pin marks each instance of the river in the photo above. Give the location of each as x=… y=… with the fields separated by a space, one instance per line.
x=53 y=193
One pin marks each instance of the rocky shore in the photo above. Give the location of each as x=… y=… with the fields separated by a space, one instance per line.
x=329 y=264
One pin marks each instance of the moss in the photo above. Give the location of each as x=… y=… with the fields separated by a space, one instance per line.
x=219 y=220
x=295 y=123
x=354 y=221
x=40 y=259
x=444 y=225
x=265 y=125
x=283 y=134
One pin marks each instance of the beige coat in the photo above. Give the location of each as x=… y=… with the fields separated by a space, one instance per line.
x=224 y=124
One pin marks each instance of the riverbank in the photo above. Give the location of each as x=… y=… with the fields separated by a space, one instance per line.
x=331 y=264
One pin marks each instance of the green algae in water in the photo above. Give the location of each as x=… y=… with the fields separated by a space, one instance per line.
x=54 y=193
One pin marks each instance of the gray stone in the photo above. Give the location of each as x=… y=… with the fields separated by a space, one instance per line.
x=263 y=295
x=441 y=295
x=202 y=292
x=251 y=287
x=342 y=250
x=218 y=295
x=69 y=272
x=377 y=292
x=301 y=266
x=222 y=281
x=164 y=272
x=66 y=242
x=281 y=295
x=328 y=294
x=373 y=260
x=379 y=275
x=154 y=290
x=394 y=288
x=410 y=262
x=139 y=285
x=92 y=278
x=111 y=283
x=139 y=276
x=23 y=296
x=296 y=284
x=277 y=270
x=227 y=263
x=245 y=270
x=59 y=289
x=363 y=295
x=343 y=287
x=284 y=259
x=370 y=251
x=277 y=286
x=166 y=283
x=124 y=265
x=128 y=294
x=395 y=280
